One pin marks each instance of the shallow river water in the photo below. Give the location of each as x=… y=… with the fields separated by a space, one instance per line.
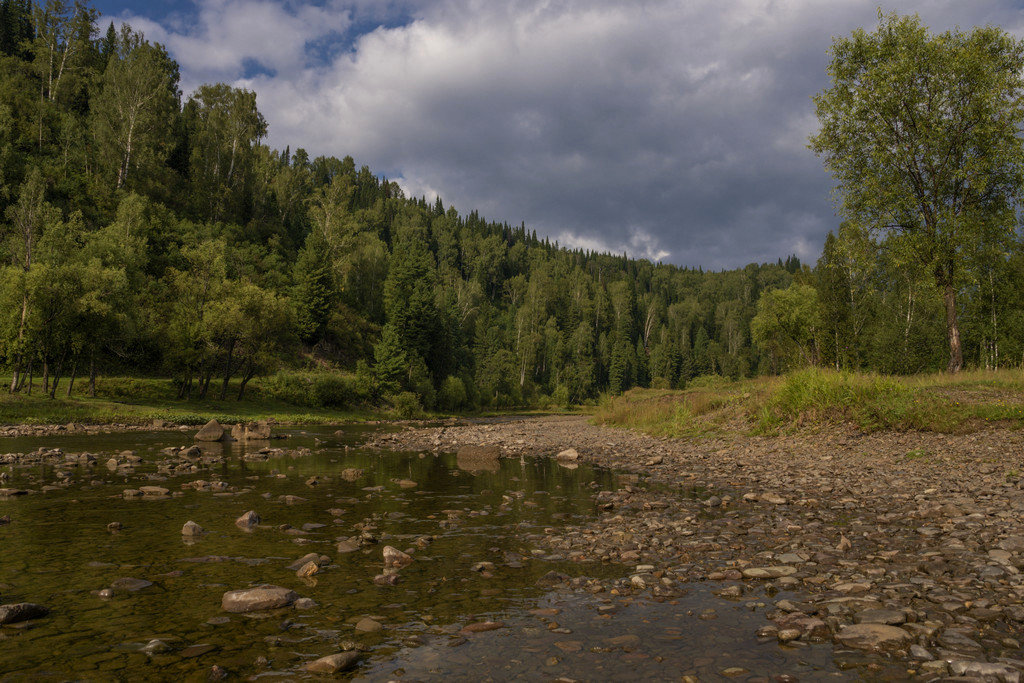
x=57 y=551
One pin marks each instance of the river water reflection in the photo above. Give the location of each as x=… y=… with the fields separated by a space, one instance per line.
x=451 y=512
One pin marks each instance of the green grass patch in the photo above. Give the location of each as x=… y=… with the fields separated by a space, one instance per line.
x=135 y=400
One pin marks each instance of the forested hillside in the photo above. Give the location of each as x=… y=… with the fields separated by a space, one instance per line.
x=150 y=234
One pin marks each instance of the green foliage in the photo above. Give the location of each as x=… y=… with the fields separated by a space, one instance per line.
x=922 y=133
x=562 y=397
x=452 y=396
x=787 y=324
x=870 y=401
x=406 y=405
x=318 y=389
x=143 y=235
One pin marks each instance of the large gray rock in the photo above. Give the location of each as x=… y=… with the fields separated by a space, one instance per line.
x=211 y=431
x=21 y=611
x=255 y=599
x=332 y=664
x=570 y=454
x=393 y=557
x=259 y=431
x=252 y=431
x=873 y=637
x=248 y=520
x=191 y=529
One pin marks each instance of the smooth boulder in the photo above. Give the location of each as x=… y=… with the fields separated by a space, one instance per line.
x=569 y=454
x=255 y=599
x=211 y=431
x=248 y=520
x=191 y=529
x=332 y=664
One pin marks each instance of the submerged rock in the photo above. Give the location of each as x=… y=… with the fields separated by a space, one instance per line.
x=368 y=625
x=22 y=611
x=130 y=584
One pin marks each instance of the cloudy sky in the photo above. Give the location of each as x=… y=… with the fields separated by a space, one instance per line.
x=673 y=130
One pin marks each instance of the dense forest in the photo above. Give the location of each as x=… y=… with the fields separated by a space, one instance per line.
x=145 y=233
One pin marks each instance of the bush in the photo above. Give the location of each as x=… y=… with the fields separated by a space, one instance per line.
x=452 y=396
x=870 y=401
x=561 y=397
x=406 y=405
x=421 y=383
x=318 y=389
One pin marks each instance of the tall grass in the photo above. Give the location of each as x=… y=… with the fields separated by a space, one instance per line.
x=809 y=399
x=664 y=412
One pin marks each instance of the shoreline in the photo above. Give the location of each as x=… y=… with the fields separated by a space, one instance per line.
x=908 y=544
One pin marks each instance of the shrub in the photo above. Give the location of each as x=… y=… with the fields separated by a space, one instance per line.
x=870 y=401
x=452 y=396
x=560 y=396
x=406 y=405
x=318 y=389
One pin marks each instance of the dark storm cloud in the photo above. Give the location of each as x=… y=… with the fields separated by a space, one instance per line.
x=672 y=130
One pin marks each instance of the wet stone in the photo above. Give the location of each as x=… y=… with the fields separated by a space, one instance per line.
x=873 y=636
x=254 y=599
x=130 y=584
x=768 y=572
x=367 y=625
x=197 y=650
x=332 y=664
x=21 y=611
x=881 y=616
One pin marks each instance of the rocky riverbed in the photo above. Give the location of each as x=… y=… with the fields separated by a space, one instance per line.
x=901 y=548
x=148 y=555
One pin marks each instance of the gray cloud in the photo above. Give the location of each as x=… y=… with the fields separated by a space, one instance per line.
x=670 y=130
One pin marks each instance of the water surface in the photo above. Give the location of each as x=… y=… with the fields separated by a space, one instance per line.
x=59 y=552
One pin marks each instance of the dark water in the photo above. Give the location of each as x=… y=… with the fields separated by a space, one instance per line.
x=58 y=551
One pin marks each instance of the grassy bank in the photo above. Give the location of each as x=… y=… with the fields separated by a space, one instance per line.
x=133 y=400
x=812 y=398
x=295 y=398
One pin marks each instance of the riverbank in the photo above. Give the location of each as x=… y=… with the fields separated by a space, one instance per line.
x=905 y=543
x=124 y=404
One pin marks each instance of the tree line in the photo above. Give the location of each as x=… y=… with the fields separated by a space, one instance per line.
x=148 y=233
